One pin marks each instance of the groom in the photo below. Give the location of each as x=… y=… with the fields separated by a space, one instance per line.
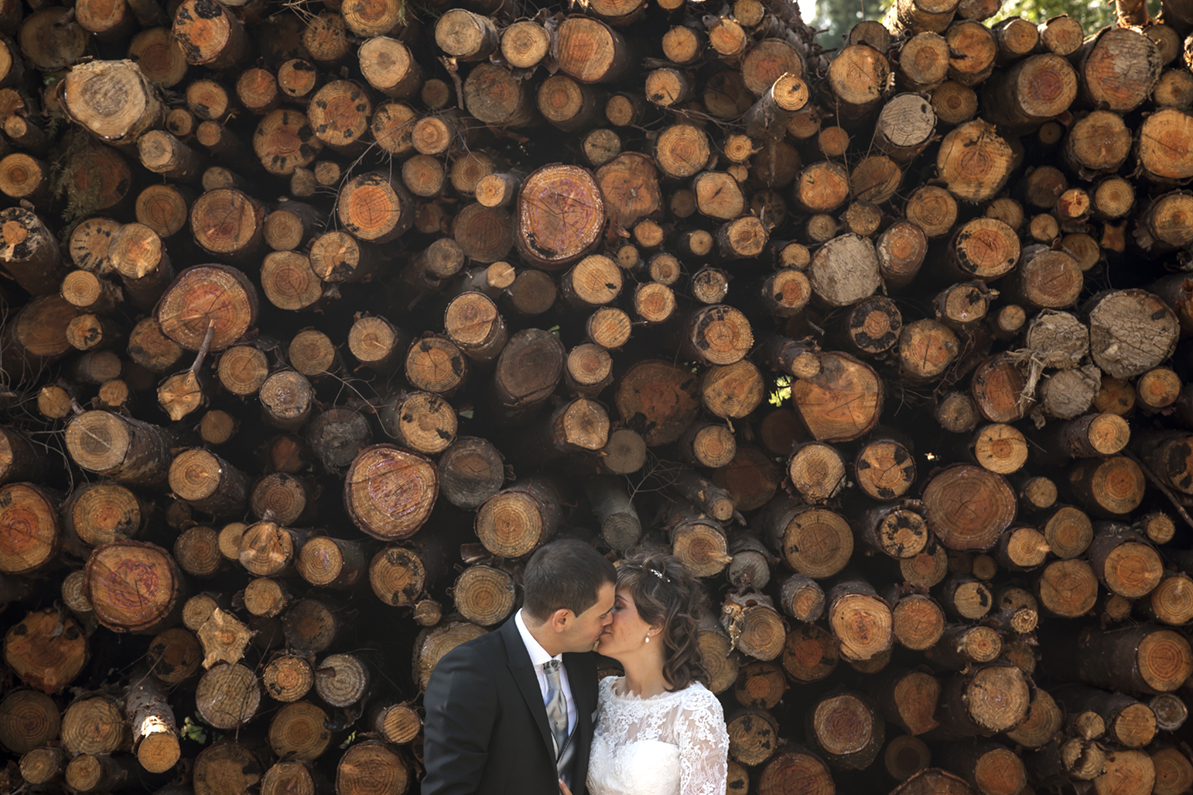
x=502 y=717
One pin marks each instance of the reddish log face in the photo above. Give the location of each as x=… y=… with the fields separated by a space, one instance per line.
x=662 y=401
x=29 y=533
x=969 y=507
x=132 y=586
x=560 y=215
x=389 y=492
x=208 y=296
x=47 y=651
x=997 y=388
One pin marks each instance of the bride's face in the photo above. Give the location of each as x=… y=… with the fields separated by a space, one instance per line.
x=627 y=632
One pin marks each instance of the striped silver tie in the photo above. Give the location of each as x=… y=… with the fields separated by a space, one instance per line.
x=557 y=709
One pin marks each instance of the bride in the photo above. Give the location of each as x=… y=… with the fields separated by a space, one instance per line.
x=659 y=731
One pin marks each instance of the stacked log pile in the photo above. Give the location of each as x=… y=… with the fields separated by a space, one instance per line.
x=320 y=318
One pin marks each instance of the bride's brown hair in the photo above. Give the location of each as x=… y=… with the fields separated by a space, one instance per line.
x=667 y=595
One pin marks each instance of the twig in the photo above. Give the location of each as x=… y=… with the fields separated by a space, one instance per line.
x=204 y=348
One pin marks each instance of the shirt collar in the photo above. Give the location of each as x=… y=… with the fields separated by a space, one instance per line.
x=538 y=655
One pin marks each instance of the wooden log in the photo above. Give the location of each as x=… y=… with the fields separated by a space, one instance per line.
x=134 y=587
x=1141 y=659
x=1124 y=561
x=781 y=99
x=1022 y=548
x=1110 y=487
x=964 y=528
x=210 y=37
x=524 y=44
x=754 y=626
x=226 y=764
x=810 y=653
x=964 y=715
x=494 y=96
x=921 y=63
x=466 y=36
x=154 y=731
x=517 y=520
x=974 y=179
x=28 y=719
x=127 y=450
x=856 y=78
x=1044 y=720
x=817 y=472
x=1172 y=769
x=138 y=110
x=286 y=397
x=927 y=348
x=991 y=768
x=590 y=51
x=846 y=728
x=815 y=542
x=908 y=699
x=1128 y=722
x=366 y=763
x=208 y=483
x=549 y=234
x=281 y=496
x=228 y=695
x=484 y=595
x=961 y=646
x=965 y=596
x=841 y=379
x=898 y=530
x=1168 y=601
x=288 y=678
x=375 y=208
x=860 y=620
x=29 y=253
x=46 y=651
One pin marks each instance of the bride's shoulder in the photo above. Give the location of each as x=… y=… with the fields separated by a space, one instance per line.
x=698 y=697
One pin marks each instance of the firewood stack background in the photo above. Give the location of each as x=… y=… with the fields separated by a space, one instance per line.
x=320 y=318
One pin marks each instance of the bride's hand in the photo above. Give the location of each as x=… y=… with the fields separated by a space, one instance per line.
x=563 y=788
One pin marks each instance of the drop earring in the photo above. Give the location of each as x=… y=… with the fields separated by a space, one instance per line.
x=648 y=637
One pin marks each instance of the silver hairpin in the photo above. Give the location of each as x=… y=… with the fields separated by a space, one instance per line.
x=659 y=574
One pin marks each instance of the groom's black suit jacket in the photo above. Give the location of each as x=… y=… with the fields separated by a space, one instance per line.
x=486 y=728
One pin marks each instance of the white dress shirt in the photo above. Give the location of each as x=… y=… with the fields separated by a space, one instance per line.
x=538 y=656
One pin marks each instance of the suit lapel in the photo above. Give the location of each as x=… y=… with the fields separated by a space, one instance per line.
x=527 y=681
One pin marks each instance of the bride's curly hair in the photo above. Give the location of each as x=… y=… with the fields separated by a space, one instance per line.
x=667 y=595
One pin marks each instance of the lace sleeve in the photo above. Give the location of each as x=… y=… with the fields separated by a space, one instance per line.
x=703 y=745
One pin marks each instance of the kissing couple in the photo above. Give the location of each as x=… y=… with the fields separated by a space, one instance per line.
x=519 y=710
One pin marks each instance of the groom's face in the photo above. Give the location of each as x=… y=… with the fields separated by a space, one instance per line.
x=587 y=627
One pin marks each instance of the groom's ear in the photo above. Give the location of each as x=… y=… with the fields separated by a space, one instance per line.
x=561 y=619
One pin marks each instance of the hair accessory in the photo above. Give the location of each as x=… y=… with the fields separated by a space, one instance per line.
x=660 y=575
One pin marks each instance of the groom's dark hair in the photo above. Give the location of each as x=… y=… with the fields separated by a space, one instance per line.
x=566 y=574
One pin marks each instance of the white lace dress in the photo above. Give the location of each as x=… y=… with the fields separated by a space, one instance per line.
x=669 y=744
